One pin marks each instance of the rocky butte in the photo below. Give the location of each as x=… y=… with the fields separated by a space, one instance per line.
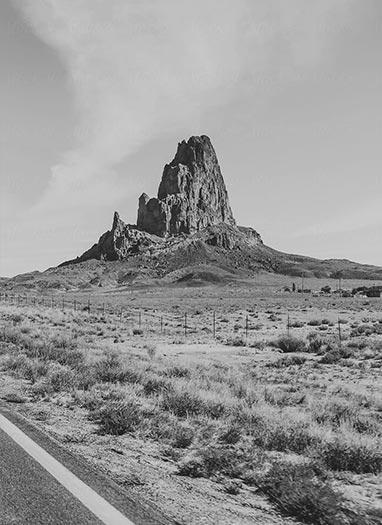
x=190 y=224
x=192 y=203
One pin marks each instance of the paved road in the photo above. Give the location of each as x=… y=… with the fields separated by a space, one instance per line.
x=41 y=484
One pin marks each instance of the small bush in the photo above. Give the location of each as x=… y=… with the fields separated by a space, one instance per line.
x=335 y=412
x=334 y=355
x=155 y=385
x=230 y=434
x=281 y=398
x=330 y=358
x=137 y=331
x=183 y=436
x=314 y=322
x=61 y=377
x=23 y=366
x=357 y=454
x=289 y=344
x=296 y=324
x=110 y=369
x=284 y=436
x=178 y=371
x=192 y=466
x=315 y=343
x=301 y=491
x=16 y=318
x=117 y=417
x=235 y=341
x=211 y=460
x=287 y=361
x=182 y=403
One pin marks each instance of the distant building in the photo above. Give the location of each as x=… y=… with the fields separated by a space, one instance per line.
x=374 y=292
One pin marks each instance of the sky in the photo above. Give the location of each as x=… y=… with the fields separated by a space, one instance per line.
x=96 y=94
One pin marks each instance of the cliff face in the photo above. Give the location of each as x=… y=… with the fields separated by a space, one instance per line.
x=192 y=194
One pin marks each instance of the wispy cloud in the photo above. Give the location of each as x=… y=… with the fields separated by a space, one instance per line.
x=139 y=69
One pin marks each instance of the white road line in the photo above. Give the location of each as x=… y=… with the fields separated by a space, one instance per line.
x=87 y=496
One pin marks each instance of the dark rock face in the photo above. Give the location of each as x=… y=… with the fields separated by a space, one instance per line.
x=191 y=196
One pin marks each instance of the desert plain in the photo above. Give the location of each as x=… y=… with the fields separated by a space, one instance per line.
x=231 y=403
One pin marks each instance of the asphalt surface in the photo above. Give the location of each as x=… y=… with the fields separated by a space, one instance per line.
x=30 y=495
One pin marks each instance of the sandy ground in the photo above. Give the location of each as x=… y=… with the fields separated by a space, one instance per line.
x=256 y=316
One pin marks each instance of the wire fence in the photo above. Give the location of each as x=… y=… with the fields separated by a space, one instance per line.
x=206 y=326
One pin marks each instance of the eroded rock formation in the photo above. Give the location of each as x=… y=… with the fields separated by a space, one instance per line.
x=192 y=194
x=192 y=207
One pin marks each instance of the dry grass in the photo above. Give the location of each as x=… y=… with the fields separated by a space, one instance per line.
x=220 y=420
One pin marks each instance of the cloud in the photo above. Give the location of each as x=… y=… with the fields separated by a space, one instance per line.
x=139 y=69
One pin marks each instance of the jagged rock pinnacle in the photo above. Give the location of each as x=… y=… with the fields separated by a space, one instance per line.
x=192 y=194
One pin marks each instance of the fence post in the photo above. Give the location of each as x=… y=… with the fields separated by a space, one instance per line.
x=339 y=331
x=140 y=319
x=214 y=325
x=288 y=325
x=185 y=325
x=161 y=324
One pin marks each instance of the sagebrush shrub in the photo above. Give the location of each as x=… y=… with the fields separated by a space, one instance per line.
x=302 y=491
x=182 y=402
x=117 y=417
x=356 y=454
x=111 y=369
x=287 y=361
x=61 y=377
x=288 y=343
